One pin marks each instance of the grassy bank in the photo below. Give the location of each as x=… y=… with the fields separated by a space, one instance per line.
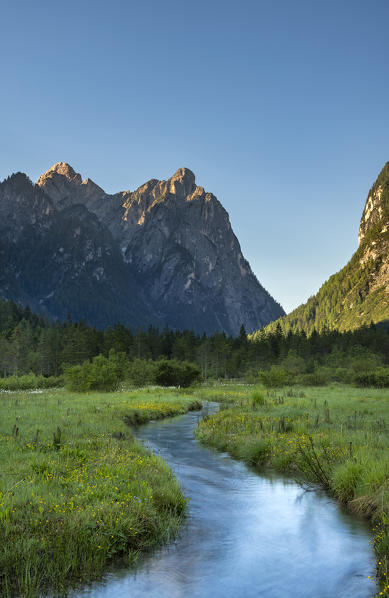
x=76 y=489
x=336 y=436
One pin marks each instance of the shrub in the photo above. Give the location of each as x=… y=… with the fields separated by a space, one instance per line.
x=100 y=374
x=141 y=372
x=170 y=372
x=276 y=377
x=344 y=375
x=293 y=363
x=378 y=378
x=319 y=377
x=364 y=360
x=29 y=381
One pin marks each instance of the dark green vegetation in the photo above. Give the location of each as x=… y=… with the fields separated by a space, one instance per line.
x=357 y=294
x=106 y=373
x=76 y=489
x=29 y=344
x=328 y=307
x=29 y=381
x=336 y=436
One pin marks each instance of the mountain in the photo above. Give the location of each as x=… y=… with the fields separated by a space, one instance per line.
x=64 y=261
x=359 y=293
x=163 y=254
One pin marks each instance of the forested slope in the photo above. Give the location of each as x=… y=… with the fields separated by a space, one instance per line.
x=359 y=293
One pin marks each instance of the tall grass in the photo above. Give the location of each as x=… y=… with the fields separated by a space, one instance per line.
x=336 y=436
x=76 y=489
x=30 y=381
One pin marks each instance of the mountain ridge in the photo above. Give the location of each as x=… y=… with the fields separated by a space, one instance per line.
x=169 y=253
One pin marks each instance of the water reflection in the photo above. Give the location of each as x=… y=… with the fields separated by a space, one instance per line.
x=246 y=535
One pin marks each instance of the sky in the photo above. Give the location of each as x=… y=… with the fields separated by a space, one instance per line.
x=279 y=107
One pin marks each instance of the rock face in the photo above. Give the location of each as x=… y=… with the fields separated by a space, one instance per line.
x=62 y=261
x=163 y=254
x=359 y=293
x=376 y=211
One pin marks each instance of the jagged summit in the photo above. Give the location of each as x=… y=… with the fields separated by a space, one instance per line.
x=182 y=182
x=65 y=186
x=63 y=173
x=63 y=169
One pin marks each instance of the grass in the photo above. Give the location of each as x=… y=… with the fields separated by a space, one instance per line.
x=76 y=489
x=336 y=436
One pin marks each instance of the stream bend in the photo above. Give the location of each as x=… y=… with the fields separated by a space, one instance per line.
x=246 y=536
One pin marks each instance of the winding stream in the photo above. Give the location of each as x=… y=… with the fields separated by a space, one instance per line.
x=247 y=535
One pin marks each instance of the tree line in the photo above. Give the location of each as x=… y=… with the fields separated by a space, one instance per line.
x=32 y=344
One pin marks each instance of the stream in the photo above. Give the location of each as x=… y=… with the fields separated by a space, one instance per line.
x=246 y=535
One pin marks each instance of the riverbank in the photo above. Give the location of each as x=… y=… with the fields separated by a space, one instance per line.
x=76 y=489
x=334 y=436
x=246 y=535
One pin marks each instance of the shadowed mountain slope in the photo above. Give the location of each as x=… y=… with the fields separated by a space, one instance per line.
x=163 y=254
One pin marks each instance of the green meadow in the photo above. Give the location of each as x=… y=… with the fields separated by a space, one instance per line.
x=335 y=436
x=76 y=489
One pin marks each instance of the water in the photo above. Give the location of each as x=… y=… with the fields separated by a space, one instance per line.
x=246 y=536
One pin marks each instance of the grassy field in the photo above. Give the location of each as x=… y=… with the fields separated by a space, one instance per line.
x=76 y=489
x=336 y=436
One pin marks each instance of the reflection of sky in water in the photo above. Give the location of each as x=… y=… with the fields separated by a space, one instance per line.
x=247 y=536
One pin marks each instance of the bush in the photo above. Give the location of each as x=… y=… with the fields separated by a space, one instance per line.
x=294 y=364
x=50 y=381
x=319 y=377
x=363 y=360
x=378 y=378
x=106 y=374
x=100 y=374
x=29 y=382
x=141 y=372
x=276 y=377
x=170 y=372
x=345 y=375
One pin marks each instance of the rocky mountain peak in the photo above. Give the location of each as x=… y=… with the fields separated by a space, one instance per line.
x=182 y=183
x=63 y=169
x=65 y=186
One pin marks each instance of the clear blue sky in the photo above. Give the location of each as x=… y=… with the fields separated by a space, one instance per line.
x=280 y=107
